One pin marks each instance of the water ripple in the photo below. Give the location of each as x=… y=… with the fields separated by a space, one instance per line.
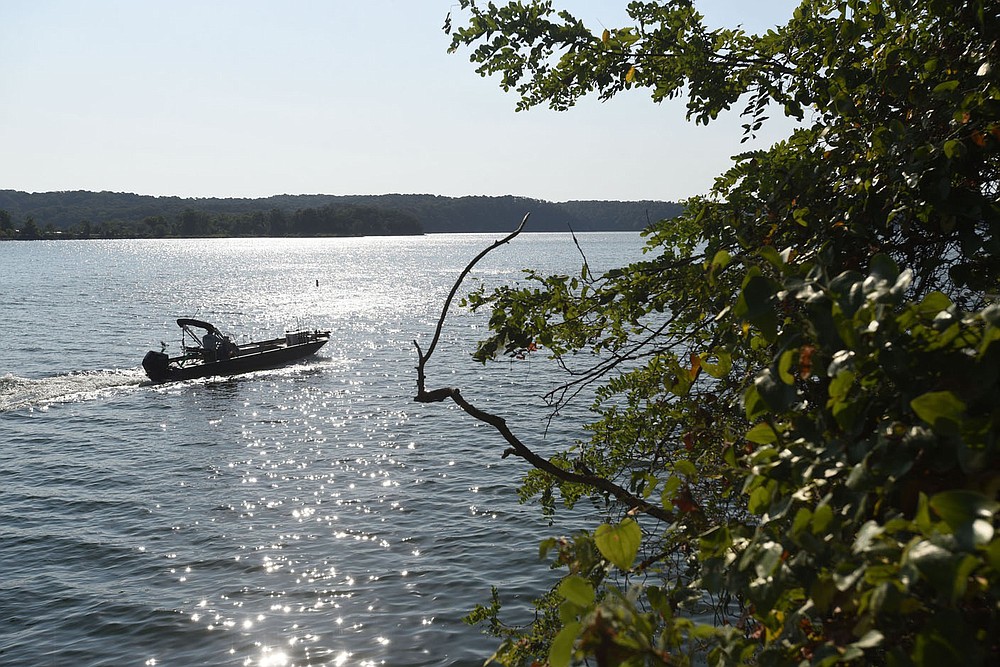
x=309 y=515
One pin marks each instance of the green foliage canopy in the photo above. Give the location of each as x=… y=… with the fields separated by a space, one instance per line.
x=802 y=380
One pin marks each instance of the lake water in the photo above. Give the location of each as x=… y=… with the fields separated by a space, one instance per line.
x=309 y=515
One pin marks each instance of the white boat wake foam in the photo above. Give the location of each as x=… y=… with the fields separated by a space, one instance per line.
x=18 y=393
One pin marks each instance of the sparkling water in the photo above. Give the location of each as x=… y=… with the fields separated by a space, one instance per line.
x=307 y=515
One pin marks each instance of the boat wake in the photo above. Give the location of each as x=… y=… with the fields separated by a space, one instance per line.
x=17 y=393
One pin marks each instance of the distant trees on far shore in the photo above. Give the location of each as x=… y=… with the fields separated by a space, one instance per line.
x=192 y=223
x=85 y=214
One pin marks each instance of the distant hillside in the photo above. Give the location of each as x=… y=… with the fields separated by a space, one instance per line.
x=66 y=210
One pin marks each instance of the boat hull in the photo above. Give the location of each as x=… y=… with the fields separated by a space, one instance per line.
x=248 y=358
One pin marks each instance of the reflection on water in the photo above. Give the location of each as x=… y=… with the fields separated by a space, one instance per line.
x=308 y=515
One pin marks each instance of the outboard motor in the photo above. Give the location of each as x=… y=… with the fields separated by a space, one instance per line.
x=156 y=365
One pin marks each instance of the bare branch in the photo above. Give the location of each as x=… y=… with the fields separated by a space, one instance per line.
x=423 y=358
x=586 y=264
x=517 y=447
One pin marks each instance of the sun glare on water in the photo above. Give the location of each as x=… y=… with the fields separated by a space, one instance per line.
x=273 y=658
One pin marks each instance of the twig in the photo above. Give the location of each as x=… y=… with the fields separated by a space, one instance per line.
x=517 y=447
x=421 y=356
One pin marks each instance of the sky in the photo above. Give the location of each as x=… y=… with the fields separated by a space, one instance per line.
x=252 y=98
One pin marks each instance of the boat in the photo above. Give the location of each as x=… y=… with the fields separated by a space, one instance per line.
x=214 y=353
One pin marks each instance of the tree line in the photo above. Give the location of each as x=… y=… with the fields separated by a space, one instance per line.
x=189 y=223
x=114 y=213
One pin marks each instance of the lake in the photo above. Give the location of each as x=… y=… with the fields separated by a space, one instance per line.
x=308 y=515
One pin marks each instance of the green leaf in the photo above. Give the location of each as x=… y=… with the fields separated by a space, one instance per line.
x=968 y=513
x=946 y=87
x=939 y=409
x=619 y=544
x=840 y=386
x=993 y=554
x=954 y=148
x=934 y=303
x=686 y=468
x=802 y=519
x=946 y=571
x=845 y=580
x=801 y=216
x=669 y=489
x=760 y=500
x=721 y=368
x=715 y=542
x=884 y=268
x=866 y=536
x=545 y=546
x=928 y=556
x=729 y=456
x=772 y=257
x=821 y=518
x=767 y=558
x=721 y=259
x=577 y=590
x=753 y=403
x=561 y=650
x=784 y=365
x=960 y=506
x=754 y=301
x=778 y=395
x=871 y=639
x=762 y=434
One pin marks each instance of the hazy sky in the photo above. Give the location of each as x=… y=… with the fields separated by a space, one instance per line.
x=249 y=98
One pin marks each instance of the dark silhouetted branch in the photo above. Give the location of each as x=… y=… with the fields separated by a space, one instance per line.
x=517 y=447
x=422 y=357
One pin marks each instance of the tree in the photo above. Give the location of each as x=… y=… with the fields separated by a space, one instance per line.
x=796 y=395
x=82 y=230
x=277 y=224
x=6 y=223
x=194 y=223
x=30 y=230
x=153 y=226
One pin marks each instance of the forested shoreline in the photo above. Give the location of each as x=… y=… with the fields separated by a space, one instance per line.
x=191 y=223
x=86 y=215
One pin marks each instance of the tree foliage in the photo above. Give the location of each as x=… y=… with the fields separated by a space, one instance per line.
x=106 y=214
x=796 y=414
x=195 y=223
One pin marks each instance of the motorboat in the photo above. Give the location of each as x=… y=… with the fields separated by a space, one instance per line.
x=206 y=351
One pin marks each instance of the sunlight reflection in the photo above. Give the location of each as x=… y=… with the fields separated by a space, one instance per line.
x=307 y=470
x=273 y=658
